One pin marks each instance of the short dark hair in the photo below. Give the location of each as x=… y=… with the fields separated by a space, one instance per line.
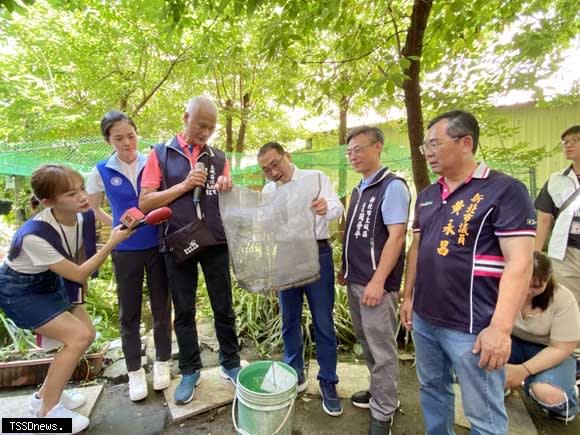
x=570 y=130
x=460 y=124
x=374 y=132
x=271 y=146
x=543 y=274
x=111 y=118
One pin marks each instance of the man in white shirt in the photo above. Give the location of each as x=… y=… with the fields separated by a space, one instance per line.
x=277 y=167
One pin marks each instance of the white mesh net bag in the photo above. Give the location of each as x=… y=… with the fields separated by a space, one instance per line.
x=272 y=236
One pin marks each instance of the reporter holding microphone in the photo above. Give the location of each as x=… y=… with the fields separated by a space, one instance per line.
x=119 y=178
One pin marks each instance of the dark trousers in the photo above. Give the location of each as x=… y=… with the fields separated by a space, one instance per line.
x=130 y=268
x=183 y=286
x=320 y=295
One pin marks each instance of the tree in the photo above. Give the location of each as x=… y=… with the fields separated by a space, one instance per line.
x=69 y=61
x=456 y=36
x=70 y=65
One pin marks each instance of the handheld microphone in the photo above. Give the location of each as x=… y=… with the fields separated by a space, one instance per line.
x=199 y=166
x=154 y=217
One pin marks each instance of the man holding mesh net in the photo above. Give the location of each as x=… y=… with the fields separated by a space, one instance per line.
x=278 y=168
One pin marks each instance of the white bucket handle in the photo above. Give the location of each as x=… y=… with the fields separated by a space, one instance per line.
x=243 y=432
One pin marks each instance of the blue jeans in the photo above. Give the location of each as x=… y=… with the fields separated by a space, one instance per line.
x=320 y=295
x=562 y=376
x=438 y=352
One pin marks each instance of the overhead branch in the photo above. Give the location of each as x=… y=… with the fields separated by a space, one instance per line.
x=394 y=21
x=182 y=57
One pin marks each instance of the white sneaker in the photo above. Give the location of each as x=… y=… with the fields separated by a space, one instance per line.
x=137 y=385
x=79 y=422
x=69 y=399
x=302 y=384
x=161 y=375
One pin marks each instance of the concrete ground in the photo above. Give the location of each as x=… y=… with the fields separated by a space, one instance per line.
x=115 y=414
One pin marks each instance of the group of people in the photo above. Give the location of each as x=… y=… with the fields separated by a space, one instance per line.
x=483 y=307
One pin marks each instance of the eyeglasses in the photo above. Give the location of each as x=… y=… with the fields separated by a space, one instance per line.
x=572 y=141
x=273 y=166
x=426 y=145
x=356 y=151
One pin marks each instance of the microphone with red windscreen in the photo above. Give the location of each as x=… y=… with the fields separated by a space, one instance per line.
x=154 y=217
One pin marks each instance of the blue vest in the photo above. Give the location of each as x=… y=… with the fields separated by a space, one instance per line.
x=47 y=232
x=122 y=196
x=366 y=234
x=175 y=166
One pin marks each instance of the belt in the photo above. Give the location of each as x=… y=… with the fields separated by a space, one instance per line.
x=322 y=243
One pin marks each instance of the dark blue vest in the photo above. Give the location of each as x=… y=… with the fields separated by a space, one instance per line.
x=122 y=196
x=366 y=234
x=47 y=232
x=175 y=166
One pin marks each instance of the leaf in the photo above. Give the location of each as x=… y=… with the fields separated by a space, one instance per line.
x=251 y=6
x=405 y=63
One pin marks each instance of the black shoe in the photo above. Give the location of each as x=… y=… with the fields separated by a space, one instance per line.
x=378 y=427
x=361 y=399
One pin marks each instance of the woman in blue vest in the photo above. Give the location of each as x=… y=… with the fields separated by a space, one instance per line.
x=119 y=178
x=45 y=271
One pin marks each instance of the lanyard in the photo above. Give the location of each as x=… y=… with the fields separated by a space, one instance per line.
x=76 y=256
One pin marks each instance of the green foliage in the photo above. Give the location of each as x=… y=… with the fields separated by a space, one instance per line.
x=13 y=339
x=15 y=5
x=64 y=63
x=102 y=305
x=259 y=320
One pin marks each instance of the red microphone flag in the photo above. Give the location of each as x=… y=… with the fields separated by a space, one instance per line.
x=132 y=217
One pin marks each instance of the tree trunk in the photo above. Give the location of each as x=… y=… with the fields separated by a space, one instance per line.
x=342 y=175
x=229 y=126
x=243 y=123
x=343 y=113
x=411 y=87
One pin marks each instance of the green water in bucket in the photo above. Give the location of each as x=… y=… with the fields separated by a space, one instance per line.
x=265 y=399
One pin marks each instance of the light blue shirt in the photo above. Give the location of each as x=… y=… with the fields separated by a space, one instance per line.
x=395 y=206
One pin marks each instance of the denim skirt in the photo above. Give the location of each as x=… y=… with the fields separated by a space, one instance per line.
x=32 y=300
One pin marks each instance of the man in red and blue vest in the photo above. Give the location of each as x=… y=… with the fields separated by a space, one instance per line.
x=169 y=179
x=372 y=267
x=468 y=272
